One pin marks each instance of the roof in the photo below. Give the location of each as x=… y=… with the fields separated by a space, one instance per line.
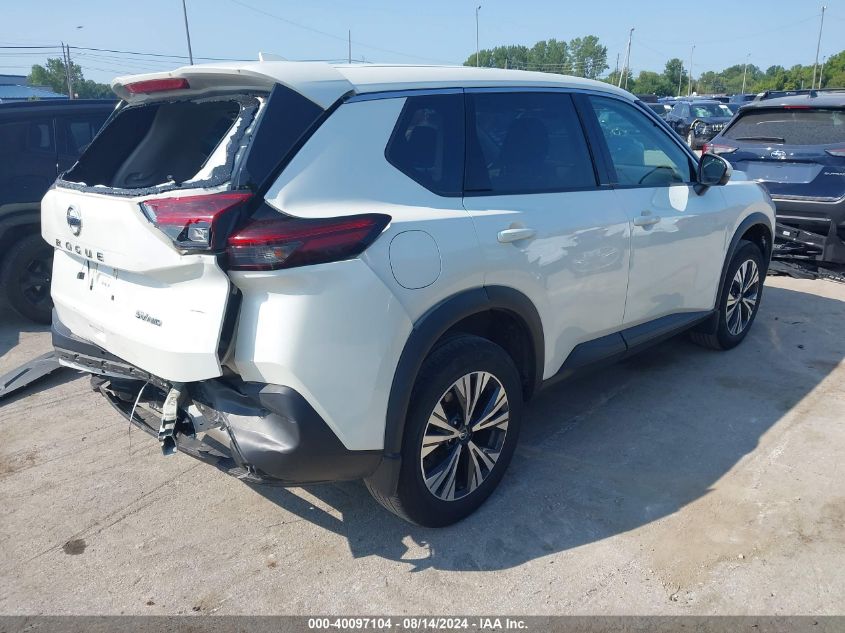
x=23 y=93
x=17 y=80
x=325 y=83
x=816 y=100
x=56 y=104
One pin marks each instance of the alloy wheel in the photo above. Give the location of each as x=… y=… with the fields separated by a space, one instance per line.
x=742 y=297
x=35 y=280
x=464 y=436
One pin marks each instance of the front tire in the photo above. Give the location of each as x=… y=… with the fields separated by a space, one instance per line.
x=461 y=430
x=26 y=278
x=691 y=140
x=739 y=301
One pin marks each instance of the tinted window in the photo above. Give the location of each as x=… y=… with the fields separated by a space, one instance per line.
x=427 y=143
x=642 y=153
x=795 y=127
x=80 y=131
x=703 y=110
x=526 y=143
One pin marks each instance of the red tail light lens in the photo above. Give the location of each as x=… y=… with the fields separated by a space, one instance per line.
x=288 y=242
x=716 y=148
x=194 y=222
x=157 y=85
x=839 y=151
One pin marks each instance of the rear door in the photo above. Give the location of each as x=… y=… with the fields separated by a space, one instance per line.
x=678 y=236
x=544 y=224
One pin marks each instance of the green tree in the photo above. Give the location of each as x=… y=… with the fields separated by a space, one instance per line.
x=588 y=57
x=585 y=57
x=652 y=83
x=52 y=75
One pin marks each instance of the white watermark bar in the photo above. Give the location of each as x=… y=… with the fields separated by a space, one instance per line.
x=423 y=623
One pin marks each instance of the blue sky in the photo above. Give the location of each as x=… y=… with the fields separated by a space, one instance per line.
x=773 y=31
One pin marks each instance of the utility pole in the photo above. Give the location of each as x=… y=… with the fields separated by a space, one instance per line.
x=821 y=74
x=187 y=33
x=617 y=64
x=68 y=71
x=689 y=83
x=744 y=71
x=477 y=9
x=350 y=46
x=818 y=46
x=627 y=60
x=680 y=78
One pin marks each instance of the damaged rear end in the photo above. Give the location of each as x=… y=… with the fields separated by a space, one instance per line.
x=144 y=225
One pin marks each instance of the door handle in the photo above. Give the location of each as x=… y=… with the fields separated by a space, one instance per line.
x=514 y=235
x=646 y=220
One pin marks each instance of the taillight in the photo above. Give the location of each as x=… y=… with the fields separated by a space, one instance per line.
x=196 y=223
x=288 y=242
x=157 y=85
x=716 y=148
x=839 y=151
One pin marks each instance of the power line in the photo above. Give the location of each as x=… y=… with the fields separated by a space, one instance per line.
x=333 y=36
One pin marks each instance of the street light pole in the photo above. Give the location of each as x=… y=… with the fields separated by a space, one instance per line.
x=744 y=71
x=689 y=83
x=627 y=60
x=187 y=33
x=477 y=9
x=818 y=46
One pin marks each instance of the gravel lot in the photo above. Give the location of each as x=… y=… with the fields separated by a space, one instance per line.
x=681 y=482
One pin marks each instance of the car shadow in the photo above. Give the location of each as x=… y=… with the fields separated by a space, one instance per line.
x=11 y=326
x=612 y=450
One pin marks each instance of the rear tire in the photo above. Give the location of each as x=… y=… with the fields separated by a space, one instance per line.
x=739 y=302
x=27 y=272
x=456 y=450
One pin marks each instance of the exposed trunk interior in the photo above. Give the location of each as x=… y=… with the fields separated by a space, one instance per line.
x=160 y=143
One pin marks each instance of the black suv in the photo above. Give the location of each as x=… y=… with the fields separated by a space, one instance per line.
x=698 y=120
x=795 y=147
x=38 y=141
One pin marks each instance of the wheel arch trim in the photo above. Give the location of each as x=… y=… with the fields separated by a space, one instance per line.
x=430 y=328
x=753 y=219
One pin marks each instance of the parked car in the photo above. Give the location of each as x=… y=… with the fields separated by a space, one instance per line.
x=779 y=94
x=741 y=98
x=698 y=120
x=795 y=147
x=301 y=272
x=660 y=109
x=38 y=139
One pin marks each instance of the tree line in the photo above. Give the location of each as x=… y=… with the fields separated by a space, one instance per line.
x=587 y=57
x=53 y=76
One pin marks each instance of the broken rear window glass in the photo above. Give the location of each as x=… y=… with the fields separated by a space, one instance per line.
x=164 y=145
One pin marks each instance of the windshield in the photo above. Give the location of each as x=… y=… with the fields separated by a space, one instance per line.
x=793 y=127
x=701 y=110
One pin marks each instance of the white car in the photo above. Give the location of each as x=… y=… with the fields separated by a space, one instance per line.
x=302 y=272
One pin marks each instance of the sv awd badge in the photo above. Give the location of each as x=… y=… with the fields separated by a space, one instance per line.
x=139 y=314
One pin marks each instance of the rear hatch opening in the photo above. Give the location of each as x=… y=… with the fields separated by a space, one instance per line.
x=165 y=145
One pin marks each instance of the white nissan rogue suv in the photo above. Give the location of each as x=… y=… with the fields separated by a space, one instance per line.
x=301 y=272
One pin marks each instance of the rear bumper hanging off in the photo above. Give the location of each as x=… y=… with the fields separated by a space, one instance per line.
x=258 y=432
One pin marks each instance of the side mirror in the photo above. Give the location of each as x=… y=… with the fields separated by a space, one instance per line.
x=713 y=171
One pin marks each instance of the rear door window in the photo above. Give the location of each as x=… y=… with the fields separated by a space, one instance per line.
x=427 y=144
x=79 y=131
x=526 y=142
x=792 y=127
